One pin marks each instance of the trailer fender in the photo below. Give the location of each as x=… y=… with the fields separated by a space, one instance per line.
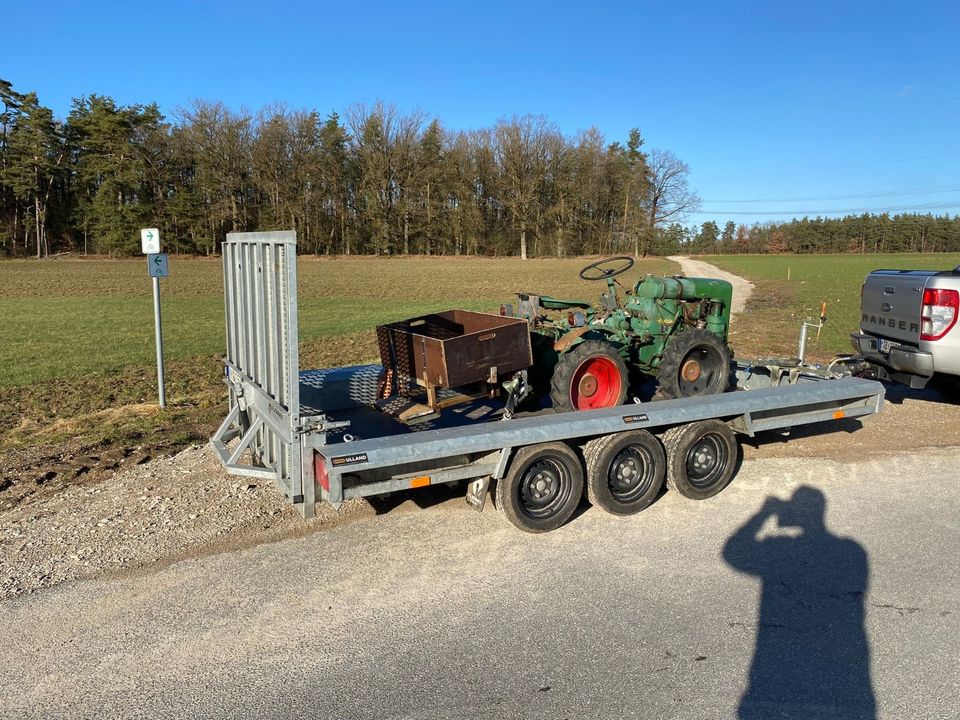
x=503 y=463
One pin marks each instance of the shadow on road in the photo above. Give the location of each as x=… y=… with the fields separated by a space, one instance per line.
x=777 y=437
x=424 y=498
x=812 y=658
x=938 y=390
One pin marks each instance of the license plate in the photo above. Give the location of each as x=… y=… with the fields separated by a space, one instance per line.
x=885 y=345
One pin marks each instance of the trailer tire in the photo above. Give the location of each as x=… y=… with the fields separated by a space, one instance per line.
x=625 y=471
x=591 y=375
x=695 y=362
x=701 y=458
x=542 y=487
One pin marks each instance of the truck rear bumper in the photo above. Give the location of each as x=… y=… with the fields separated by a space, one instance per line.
x=901 y=358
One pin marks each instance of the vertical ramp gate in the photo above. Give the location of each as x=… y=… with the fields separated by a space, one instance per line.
x=262 y=366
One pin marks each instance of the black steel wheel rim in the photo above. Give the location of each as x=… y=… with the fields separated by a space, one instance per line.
x=544 y=488
x=631 y=474
x=707 y=461
x=710 y=376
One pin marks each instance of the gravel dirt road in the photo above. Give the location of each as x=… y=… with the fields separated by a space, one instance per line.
x=446 y=613
x=742 y=288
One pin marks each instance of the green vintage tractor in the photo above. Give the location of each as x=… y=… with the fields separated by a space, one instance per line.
x=672 y=328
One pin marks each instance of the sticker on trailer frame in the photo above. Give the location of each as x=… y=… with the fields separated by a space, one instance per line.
x=635 y=418
x=349 y=459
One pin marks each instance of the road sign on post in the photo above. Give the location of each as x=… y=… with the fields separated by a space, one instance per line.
x=156 y=269
x=157 y=265
x=149 y=241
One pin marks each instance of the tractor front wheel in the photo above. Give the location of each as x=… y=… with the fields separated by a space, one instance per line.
x=695 y=362
x=592 y=375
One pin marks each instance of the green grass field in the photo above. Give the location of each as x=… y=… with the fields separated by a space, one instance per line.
x=77 y=377
x=771 y=325
x=77 y=382
x=65 y=320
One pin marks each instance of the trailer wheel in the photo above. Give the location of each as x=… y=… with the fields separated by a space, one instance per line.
x=592 y=375
x=695 y=362
x=542 y=487
x=701 y=458
x=625 y=471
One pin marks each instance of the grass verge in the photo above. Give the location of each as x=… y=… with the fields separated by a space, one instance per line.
x=790 y=289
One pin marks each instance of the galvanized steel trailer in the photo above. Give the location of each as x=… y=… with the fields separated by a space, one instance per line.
x=317 y=435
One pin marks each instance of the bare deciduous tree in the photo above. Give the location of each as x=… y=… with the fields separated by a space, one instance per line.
x=381 y=181
x=671 y=199
x=385 y=145
x=522 y=149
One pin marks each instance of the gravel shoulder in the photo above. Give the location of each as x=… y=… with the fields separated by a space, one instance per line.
x=145 y=517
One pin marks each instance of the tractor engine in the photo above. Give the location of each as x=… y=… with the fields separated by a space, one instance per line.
x=655 y=303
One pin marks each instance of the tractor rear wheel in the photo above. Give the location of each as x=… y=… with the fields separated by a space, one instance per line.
x=592 y=375
x=695 y=362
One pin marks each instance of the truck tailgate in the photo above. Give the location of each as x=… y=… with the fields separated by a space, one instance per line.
x=891 y=304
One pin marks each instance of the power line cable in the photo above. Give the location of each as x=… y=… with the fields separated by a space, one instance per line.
x=839 y=168
x=853 y=196
x=847 y=211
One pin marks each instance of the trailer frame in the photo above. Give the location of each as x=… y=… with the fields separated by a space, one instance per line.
x=316 y=435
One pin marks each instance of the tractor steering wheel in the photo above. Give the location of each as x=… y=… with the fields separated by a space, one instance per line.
x=602 y=273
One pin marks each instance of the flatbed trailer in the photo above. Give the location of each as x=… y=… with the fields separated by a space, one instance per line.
x=318 y=435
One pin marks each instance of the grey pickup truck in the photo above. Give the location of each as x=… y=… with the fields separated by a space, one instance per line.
x=908 y=325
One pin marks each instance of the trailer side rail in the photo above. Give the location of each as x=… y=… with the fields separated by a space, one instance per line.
x=747 y=412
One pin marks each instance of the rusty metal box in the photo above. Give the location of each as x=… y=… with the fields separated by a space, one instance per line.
x=454 y=348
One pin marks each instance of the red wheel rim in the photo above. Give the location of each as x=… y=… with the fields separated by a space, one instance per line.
x=596 y=384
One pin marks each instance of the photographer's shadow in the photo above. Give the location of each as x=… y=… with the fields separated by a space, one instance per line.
x=812 y=658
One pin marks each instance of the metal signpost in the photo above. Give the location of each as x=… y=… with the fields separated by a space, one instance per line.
x=156 y=268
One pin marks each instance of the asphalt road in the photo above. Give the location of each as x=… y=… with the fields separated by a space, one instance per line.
x=446 y=613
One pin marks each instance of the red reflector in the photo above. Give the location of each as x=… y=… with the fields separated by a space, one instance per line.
x=320 y=471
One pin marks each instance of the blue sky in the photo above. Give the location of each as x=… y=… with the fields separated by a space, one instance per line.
x=775 y=106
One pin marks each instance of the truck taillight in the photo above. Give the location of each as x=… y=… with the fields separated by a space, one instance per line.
x=939 y=313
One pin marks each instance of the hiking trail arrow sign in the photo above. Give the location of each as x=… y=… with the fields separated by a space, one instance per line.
x=150 y=241
x=157 y=265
